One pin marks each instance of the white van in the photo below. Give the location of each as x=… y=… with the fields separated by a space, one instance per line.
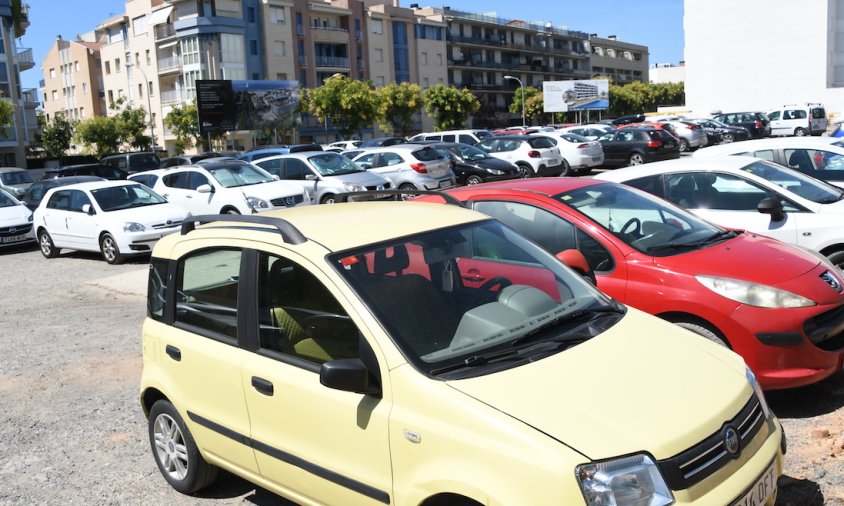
x=470 y=137
x=799 y=120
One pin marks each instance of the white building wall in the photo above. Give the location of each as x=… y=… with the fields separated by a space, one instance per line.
x=760 y=54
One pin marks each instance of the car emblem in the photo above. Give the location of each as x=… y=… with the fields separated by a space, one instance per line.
x=832 y=281
x=169 y=222
x=289 y=201
x=732 y=442
x=13 y=230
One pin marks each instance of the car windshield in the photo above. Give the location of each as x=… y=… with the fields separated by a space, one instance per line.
x=482 y=134
x=796 y=182
x=642 y=221
x=11 y=178
x=240 y=174
x=7 y=200
x=471 y=153
x=468 y=300
x=116 y=198
x=332 y=164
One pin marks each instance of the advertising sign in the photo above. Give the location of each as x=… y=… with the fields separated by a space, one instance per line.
x=225 y=106
x=583 y=95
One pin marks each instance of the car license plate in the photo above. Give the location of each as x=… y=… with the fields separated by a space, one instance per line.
x=445 y=184
x=669 y=144
x=596 y=158
x=14 y=238
x=764 y=488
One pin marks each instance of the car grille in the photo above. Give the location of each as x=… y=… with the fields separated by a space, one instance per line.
x=169 y=224
x=293 y=200
x=826 y=330
x=705 y=458
x=16 y=230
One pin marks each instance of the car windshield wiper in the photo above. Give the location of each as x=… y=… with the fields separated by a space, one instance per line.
x=723 y=235
x=476 y=360
x=590 y=312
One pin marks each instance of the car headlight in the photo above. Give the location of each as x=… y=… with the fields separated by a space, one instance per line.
x=31 y=218
x=354 y=187
x=256 y=203
x=753 y=294
x=626 y=480
x=495 y=172
x=131 y=226
x=751 y=378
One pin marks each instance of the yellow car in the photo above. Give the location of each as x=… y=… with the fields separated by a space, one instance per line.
x=421 y=354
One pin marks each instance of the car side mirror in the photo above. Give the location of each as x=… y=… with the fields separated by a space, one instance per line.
x=88 y=209
x=348 y=375
x=773 y=207
x=310 y=177
x=205 y=188
x=577 y=262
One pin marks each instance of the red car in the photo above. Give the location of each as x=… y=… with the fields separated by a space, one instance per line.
x=778 y=306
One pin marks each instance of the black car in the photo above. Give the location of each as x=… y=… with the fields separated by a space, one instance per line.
x=626 y=120
x=638 y=144
x=175 y=161
x=473 y=166
x=754 y=122
x=382 y=142
x=36 y=192
x=728 y=133
x=87 y=169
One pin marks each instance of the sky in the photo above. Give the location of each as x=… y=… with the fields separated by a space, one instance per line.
x=657 y=24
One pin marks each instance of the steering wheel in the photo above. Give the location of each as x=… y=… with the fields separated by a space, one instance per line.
x=632 y=221
x=497 y=280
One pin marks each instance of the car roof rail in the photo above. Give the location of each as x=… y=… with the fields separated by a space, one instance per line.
x=289 y=233
x=449 y=199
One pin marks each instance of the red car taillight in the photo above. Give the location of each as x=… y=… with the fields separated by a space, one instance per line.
x=583 y=146
x=758 y=124
x=419 y=167
x=533 y=154
x=655 y=144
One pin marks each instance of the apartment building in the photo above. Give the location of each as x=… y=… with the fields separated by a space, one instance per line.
x=621 y=62
x=72 y=83
x=15 y=138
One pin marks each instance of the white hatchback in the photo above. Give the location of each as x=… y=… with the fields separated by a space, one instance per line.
x=116 y=218
x=747 y=193
x=15 y=221
x=534 y=155
x=579 y=153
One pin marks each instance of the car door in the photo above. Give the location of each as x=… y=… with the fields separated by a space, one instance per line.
x=82 y=228
x=327 y=445
x=617 y=147
x=389 y=165
x=296 y=171
x=779 y=126
x=55 y=216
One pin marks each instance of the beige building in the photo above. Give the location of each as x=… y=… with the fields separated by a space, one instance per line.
x=72 y=83
x=14 y=139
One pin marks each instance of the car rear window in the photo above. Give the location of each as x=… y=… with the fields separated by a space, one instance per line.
x=426 y=154
x=818 y=113
x=542 y=142
x=144 y=161
x=659 y=134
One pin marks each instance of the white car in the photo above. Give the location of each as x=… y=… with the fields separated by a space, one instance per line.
x=591 y=131
x=579 y=153
x=747 y=193
x=116 y=218
x=15 y=221
x=534 y=155
x=339 y=146
x=227 y=186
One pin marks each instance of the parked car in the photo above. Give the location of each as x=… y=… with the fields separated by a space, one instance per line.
x=323 y=175
x=534 y=155
x=636 y=245
x=728 y=133
x=432 y=356
x=175 y=161
x=750 y=194
x=757 y=123
x=132 y=162
x=472 y=165
x=265 y=151
x=798 y=120
x=341 y=146
x=15 y=181
x=590 y=131
x=579 y=154
x=87 y=169
x=117 y=218
x=351 y=154
x=470 y=137
x=689 y=135
x=381 y=142
x=625 y=120
x=516 y=131
x=814 y=156
x=409 y=166
x=36 y=192
x=638 y=145
x=227 y=187
x=148 y=178
x=15 y=221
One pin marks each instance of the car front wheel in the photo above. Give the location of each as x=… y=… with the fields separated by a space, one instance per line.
x=109 y=249
x=799 y=132
x=175 y=451
x=566 y=169
x=473 y=180
x=636 y=159
x=703 y=331
x=727 y=138
x=48 y=249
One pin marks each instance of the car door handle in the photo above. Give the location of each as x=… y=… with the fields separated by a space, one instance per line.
x=175 y=353
x=262 y=385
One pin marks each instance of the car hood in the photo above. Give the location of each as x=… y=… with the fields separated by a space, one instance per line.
x=270 y=190
x=14 y=215
x=364 y=178
x=644 y=384
x=150 y=215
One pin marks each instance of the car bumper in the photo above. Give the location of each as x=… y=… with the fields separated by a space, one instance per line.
x=436 y=184
x=583 y=161
x=137 y=243
x=9 y=236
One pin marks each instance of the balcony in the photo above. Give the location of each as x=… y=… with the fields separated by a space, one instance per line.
x=25 y=60
x=303 y=61
x=332 y=62
x=173 y=97
x=331 y=34
x=164 y=32
x=30 y=98
x=169 y=65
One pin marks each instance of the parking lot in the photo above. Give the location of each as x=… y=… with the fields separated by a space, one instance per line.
x=73 y=431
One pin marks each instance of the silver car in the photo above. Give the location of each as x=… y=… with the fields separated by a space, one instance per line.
x=409 y=166
x=15 y=181
x=323 y=174
x=689 y=135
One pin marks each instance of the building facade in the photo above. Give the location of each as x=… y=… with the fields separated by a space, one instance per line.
x=621 y=62
x=72 y=84
x=15 y=138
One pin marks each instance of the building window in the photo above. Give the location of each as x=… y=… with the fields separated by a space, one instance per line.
x=379 y=80
x=280 y=48
x=148 y=58
x=140 y=90
x=379 y=54
x=139 y=25
x=84 y=88
x=277 y=15
x=250 y=14
x=149 y=89
x=377 y=26
x=107 y=68
x=253 y=47
x=55 y=95
x=76 y=66
x=110 y=97
x=81 y=112
x=424 y=58
x=281 y=76
x=190 y=50
x=425 y=82
x=439 y=58
x=117 y=65
x=137 y=58
x=52 y=73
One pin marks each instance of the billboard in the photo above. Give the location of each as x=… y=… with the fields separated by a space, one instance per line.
x=583 y=95
x=225 y=106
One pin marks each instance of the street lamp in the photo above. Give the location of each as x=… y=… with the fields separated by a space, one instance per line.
x=129 y=66
x=522 y=87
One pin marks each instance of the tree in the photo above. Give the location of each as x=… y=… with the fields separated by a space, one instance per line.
x=7 y=113
x=183 y=122
x=348 y=103
x=56 y=136
x=99 y=135
x=399 y=102
x=132 y=125
x=638 y=97
x=450 y=107
x=533 y=100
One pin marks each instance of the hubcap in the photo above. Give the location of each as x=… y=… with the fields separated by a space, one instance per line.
x=109 y=248
x=170 y=447
x=46 y=247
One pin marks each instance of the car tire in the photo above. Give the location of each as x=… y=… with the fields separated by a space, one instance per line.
x=175 y=451
x=525 y=170
x=635 y=159
x=229 y=210
x=327 y=199
x=683 y=145
x=406 y=186
x=48 y=249
x=837 y=259
x=727 y=138
x=473 y=180
x=704 y=332
x=109 y=249
x=566 y=169
x=799 y=132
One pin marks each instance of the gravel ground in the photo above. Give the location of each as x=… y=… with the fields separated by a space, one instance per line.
x=72 y=431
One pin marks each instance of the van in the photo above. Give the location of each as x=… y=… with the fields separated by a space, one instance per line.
x=132 y=162
x=799 y=120
x=470 y=137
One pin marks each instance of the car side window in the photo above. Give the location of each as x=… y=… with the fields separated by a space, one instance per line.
x=650 y=184
x=448 y=138
x=715 y=191
x=488 y=146
x=765 y=154
x=59 y=200
x=272 y=166
x=365 y=161
x=387 y=159
x=177 y=180
x=508 y=145
x=466 y=139
x=597 y=256
x=774 y=116
x=196 y=180
x=299 y=316
x=77 y=200
x=295 y=169
x=548 y=230
x=206 y=292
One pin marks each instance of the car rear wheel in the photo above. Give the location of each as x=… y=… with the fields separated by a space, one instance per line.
x=474 y=180
x=327 y=199
x=175 y=451
x=683 y=145
x=48 y=249
x=636 y=159
x=229 y=210
x=109 y=249
x=406 y=186
x=525 y=170
x=566 y=169
x=727 y=138
x=703 y=331
x=799 y=132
